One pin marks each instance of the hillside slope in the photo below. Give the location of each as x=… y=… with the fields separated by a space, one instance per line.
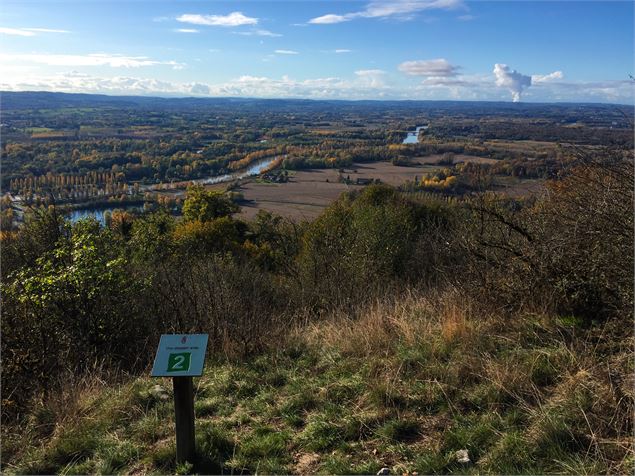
x=405 y=386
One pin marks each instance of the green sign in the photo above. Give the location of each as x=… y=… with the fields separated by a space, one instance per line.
x=179 y=362
x=180 y=355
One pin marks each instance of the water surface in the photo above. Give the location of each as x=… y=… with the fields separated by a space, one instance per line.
x=413 y=137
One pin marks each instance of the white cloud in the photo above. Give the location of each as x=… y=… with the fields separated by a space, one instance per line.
x=400 y=9
x=287 y=87
x=95 y=59
x=538 y=78
x=186 y=30
x=258 y=33
x=46 y=30
x=438 y=68
x=16 y=31
x=378 y=9
x=370 y=72
x=286 y=52
x=28 y=31
x=199 y=89
x=342 y=50
x=329 y=19
x=233 y=19
x=373 y=78
x=511 y=79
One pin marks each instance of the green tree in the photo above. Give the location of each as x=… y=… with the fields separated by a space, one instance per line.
x=357 y=244
x=202 y=205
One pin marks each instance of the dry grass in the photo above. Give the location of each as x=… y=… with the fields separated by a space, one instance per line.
x=575 y=398
x=410 y=319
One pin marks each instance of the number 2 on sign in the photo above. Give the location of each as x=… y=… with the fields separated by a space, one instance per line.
x=179 y=362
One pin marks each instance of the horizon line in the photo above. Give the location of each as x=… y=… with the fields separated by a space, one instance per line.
x=299 y=98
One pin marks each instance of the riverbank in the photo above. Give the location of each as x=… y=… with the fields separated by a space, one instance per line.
x=175 y=190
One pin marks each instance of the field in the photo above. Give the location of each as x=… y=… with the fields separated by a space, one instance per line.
x=308 y=192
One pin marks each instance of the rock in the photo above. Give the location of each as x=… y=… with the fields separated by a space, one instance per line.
x=383 y=471
x=462 y=456
x=159 y=392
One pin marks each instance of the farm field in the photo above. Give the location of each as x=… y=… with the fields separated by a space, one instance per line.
x=308 y=192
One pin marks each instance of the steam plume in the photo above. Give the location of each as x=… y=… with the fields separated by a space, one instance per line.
x=511 y=79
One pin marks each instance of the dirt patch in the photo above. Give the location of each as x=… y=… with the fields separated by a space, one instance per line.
x=306 y=463
x=302 y=198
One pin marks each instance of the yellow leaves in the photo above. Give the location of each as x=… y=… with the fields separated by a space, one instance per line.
x=438 y=183
x=450 y=181
x=397 y=147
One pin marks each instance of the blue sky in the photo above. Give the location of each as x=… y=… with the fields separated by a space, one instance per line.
x=393 y=49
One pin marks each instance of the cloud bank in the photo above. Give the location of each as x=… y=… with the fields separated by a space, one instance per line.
x=445 y=83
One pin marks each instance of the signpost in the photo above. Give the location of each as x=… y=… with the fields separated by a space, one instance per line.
x=182 y=356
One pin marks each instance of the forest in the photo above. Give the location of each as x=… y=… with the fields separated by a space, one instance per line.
x=83 y=148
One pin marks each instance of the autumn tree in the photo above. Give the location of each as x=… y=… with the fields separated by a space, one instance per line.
x=202 y=205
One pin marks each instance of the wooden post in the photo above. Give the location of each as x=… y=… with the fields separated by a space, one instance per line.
x=184 y=417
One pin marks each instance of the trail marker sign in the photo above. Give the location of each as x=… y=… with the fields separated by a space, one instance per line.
x=180 y=355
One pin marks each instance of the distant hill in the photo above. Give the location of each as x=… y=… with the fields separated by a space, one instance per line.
x=10 y=100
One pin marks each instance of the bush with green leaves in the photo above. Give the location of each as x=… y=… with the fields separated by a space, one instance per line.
x=77 y=304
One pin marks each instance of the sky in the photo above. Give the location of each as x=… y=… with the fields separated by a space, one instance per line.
x=545 y=51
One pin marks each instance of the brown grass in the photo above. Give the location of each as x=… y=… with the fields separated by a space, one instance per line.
x=410 y=319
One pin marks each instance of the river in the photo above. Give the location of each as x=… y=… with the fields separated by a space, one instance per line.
x=253 y=169
x=256 y=168
x=100 y=213
x=413 y=137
